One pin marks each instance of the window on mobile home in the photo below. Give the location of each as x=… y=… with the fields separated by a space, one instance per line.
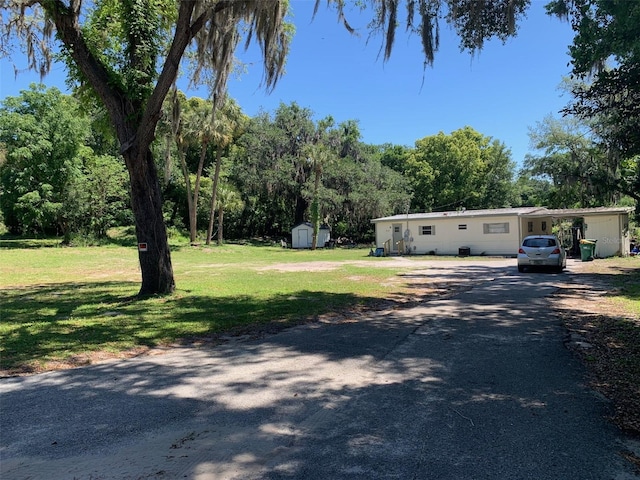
x=490 y=228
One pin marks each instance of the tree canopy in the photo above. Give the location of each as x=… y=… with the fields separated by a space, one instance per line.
x=462 y=170
x=606 y=68
x=52 y=181
x=270 y=180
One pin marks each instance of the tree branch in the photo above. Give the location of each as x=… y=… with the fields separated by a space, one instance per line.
x=67 y=26
x=185 y=31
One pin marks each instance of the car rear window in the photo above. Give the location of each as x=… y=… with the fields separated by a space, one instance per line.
x=539 y=242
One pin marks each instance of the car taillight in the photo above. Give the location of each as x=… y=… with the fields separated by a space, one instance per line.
x=556 y=251
x=521 y=251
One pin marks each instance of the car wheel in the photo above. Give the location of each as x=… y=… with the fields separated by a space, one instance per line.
x=520 y=268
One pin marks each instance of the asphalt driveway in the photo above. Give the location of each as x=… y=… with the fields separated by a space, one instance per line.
x=477 y=385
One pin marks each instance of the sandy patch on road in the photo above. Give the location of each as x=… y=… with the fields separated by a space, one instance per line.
x=389 y=262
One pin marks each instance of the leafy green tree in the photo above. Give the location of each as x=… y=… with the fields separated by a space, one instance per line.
x=203 y=127
x=319 y=156
x=193 y=128
x=421 y=174
x=229 y=200
x=42 y=132
x=270 y=168
x=102 y=193
x=37 y=210
x=353 y=192
x=298 y=131
x=498 y=189
x=606 y=66
x=606 y=56
x=394 y=157
x=533 y=191
x=286 y=157
x=574 y=162
x=459 y=168
x=462 y=170
x=184 y=134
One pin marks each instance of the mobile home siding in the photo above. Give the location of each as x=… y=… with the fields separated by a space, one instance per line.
x=603 y=229
x=448 y=237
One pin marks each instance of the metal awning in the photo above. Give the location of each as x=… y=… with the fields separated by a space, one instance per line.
x=578 y=212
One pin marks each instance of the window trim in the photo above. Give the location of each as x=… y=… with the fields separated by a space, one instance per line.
x=422 y=230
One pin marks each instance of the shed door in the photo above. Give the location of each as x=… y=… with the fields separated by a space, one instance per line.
x=303 y=238
x=397 y=236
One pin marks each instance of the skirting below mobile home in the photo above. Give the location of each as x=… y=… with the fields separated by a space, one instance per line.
x=497 y=231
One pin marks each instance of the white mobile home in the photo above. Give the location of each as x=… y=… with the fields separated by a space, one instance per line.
x=498 y=231
x=302 y=235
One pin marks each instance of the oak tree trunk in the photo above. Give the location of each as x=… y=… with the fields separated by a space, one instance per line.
x=151 y=233
x=134 y=119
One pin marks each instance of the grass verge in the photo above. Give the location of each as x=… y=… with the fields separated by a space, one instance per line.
x=602 y=314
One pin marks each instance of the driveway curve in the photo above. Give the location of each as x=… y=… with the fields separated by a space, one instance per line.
x=475 y=385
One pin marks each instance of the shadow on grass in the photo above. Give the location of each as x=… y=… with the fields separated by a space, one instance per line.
x=18 y=243
x=61 y=321
x=23 y=243
x=628 y=283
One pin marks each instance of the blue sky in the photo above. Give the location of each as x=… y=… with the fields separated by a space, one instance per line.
x=500 y=92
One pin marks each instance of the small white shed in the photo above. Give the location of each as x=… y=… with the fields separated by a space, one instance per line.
x=302 y=235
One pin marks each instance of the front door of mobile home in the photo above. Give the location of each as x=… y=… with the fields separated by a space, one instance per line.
x=397 y=236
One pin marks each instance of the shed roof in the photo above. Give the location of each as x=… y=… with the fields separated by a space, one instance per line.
x=324 y=226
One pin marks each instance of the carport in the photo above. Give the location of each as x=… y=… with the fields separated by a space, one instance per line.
x=609 y=226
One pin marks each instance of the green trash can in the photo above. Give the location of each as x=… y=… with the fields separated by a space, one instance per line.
x=587 y=249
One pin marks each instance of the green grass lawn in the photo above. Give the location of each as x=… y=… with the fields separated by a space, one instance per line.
x=58 y=304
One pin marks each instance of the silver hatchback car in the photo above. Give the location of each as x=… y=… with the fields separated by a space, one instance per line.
x=542 y=251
